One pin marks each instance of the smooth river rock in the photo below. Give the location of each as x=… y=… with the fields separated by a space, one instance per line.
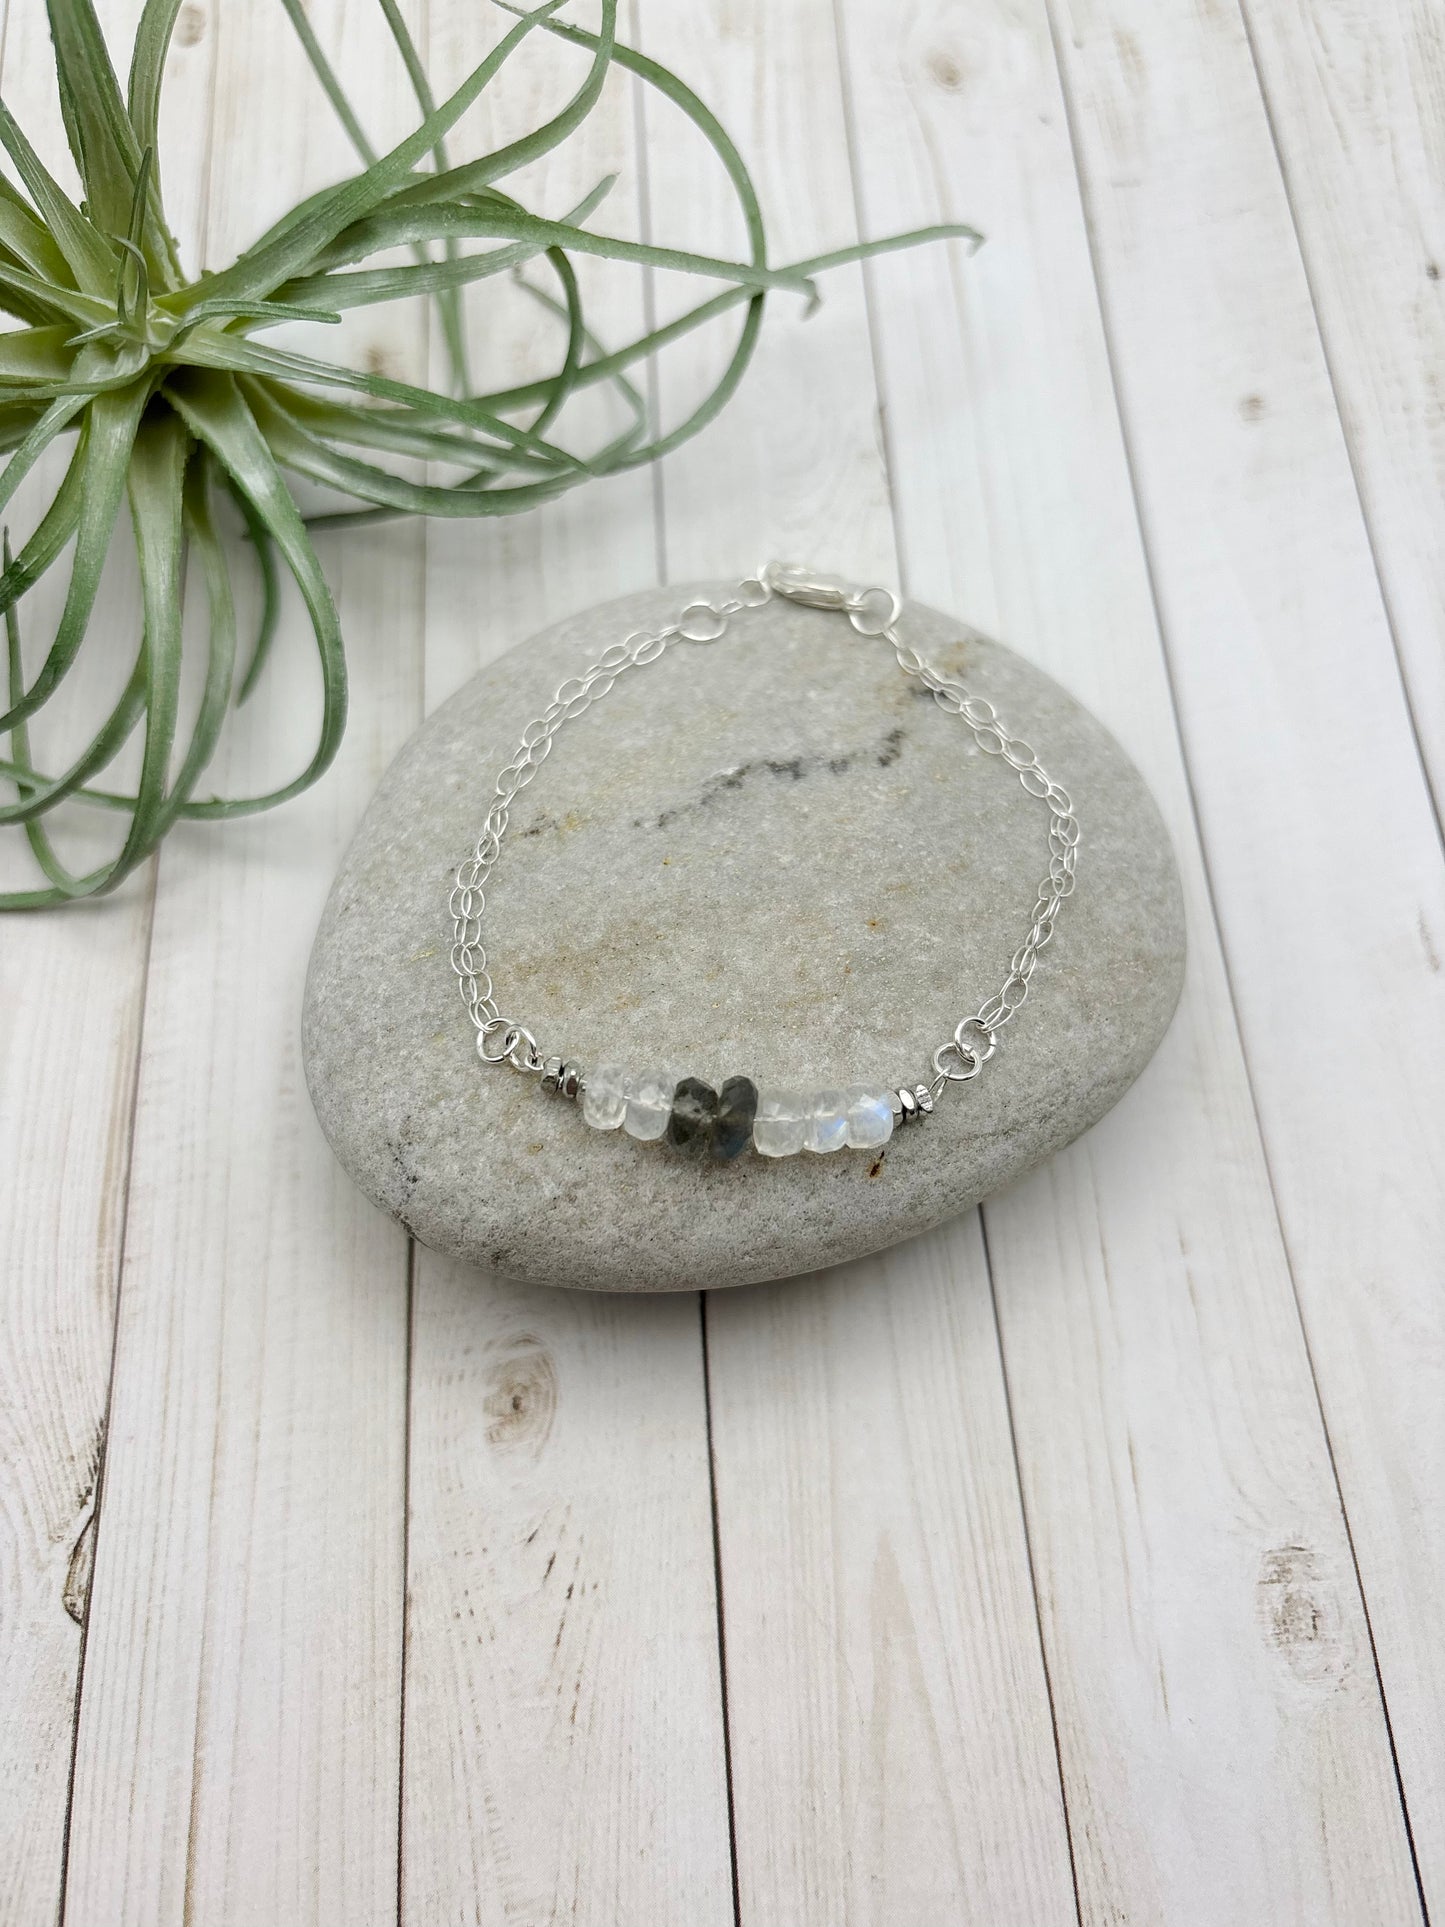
x=773 y=856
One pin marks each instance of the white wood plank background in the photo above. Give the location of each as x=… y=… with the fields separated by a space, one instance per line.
x=1081 y=1561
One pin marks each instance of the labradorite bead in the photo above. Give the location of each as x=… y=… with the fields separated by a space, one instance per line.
x=732 y=1128
x=694 y=1106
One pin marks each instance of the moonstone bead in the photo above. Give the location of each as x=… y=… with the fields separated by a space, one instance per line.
x=604 y=1097
x=737 y=1104
x=780 y=1127
x=828 y=1121
x=649 y=1105
x=870 y=1118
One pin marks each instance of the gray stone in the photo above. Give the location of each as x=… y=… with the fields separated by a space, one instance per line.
x=772 y=856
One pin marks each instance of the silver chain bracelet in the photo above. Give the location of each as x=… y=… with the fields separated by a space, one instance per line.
x=688 y=1111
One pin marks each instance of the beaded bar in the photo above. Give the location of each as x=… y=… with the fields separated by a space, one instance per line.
x=723 y=1123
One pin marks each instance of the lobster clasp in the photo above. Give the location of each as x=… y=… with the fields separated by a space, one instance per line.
x=810 y=587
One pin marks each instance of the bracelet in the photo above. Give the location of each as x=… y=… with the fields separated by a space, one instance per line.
x=688 y=1111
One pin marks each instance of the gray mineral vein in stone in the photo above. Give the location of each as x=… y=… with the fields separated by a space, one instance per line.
x=772 y=856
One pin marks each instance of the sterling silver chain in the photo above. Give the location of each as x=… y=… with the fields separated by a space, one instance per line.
x=872 y=612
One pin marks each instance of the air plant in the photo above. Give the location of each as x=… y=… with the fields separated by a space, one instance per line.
x=175 y=405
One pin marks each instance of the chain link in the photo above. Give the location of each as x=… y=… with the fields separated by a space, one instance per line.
x=873 y=612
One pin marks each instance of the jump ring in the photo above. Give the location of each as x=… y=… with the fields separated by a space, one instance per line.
x=979 y=1029
x=700 y=622
x=865 y=613
x=964 y=1054
x=487 y=1031
x=531 y=1058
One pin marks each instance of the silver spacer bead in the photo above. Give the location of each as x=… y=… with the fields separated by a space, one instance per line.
x=561 y=1077
x=910 y=1102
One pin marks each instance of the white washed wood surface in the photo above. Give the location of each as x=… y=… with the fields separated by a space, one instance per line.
x=1080 y=1561
x=886 y=1694
x=1159 y=1384
x=565 y=1752
x=1306 y=786
x=1356 y=94
x=242 y=1761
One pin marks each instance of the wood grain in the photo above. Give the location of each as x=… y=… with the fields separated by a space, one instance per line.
x=71 y=995
x=62 y=1188
x=238 y=1741
x=893 y=1758
x=565 y=1755
x=1183 y=1516
x=1080 y=1561
x=1356 y=100
x=1304 y=765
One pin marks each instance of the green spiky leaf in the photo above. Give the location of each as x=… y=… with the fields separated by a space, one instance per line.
x=175 y=407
